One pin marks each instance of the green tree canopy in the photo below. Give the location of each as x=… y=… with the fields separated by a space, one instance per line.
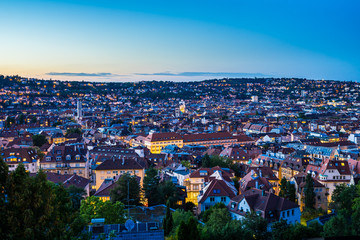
x=35 y=208
x=309 y=192
x=151 y=184
x=257 y=226
x=39 y=140
x=93 y=207
x=168 y=222
x=73 y=130
x=127 y=184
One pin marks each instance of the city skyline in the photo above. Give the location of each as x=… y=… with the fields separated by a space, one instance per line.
x=159 y=40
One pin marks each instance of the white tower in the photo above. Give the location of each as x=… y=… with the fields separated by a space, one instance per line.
x=79 y=109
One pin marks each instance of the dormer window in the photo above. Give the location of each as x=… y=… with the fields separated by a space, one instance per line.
x=77 y=157
x=58 y=158
x=68 y=157
x=48 y=159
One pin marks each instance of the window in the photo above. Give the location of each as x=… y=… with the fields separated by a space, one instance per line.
x=58 y=158
x=283 y=214
x=288 y=213
x=292 y=212
x=77 y=157
x=108 y=172
x=68 y=157
x=48 y=159
x=212 y=199
x=223 y=199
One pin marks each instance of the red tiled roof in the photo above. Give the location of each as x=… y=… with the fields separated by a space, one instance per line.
x=169 y=136
x=117 y=163
x=227 y=175
x=200 y=137
x=221 y=188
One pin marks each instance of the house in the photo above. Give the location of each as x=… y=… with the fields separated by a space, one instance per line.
x=320 y=191
x=177 y=171
x=333 y=173
x=108 y=184
x=66 y=159
x=265 y=204
x=68 y=180
x=292 y=165
x=236 y=153
x=58 y=138
x=27 y=156
x=255 y=180
x=114 y=166
x=216 y=191
x=268 y=173
x=197 y=180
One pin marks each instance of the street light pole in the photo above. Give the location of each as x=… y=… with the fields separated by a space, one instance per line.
x=128 y=199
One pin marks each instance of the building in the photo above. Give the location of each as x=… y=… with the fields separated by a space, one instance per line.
x=210 y=139
x=27 y=156
x=218 y=190
x=155 y=142
x=111 y=168
x=254 y=99
x=331 y=174
x=69 y=159
x=68 y=180
x=321 y=200
x=265 y=204
x=254 y=179
x=198 y=179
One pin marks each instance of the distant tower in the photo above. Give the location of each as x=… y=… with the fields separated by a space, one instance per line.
x=182 y=106
x=79 y=109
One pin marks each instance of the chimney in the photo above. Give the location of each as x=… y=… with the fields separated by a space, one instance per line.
x=123 y=161
x=256 y=184
x=260 y=173
x=252 y=172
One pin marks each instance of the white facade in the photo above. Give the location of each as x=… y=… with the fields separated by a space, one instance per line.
x=30 y=167
x=211 y=201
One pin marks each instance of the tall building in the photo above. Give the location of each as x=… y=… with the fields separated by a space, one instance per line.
x=79 y=109
x=255 y=99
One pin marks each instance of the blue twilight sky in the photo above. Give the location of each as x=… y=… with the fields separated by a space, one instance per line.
x=136 y=40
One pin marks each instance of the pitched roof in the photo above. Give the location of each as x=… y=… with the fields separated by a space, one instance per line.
x=200 y=137
x=207 y=172
x=117 y=163
x=262 y=201
x=217 y=187
x=66 y=179
x=168 y=136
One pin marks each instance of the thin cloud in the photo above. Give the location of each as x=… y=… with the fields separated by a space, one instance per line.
x=196 y=74
x=80 y=74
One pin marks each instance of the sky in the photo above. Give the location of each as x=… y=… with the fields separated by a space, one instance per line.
x=134 y=40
